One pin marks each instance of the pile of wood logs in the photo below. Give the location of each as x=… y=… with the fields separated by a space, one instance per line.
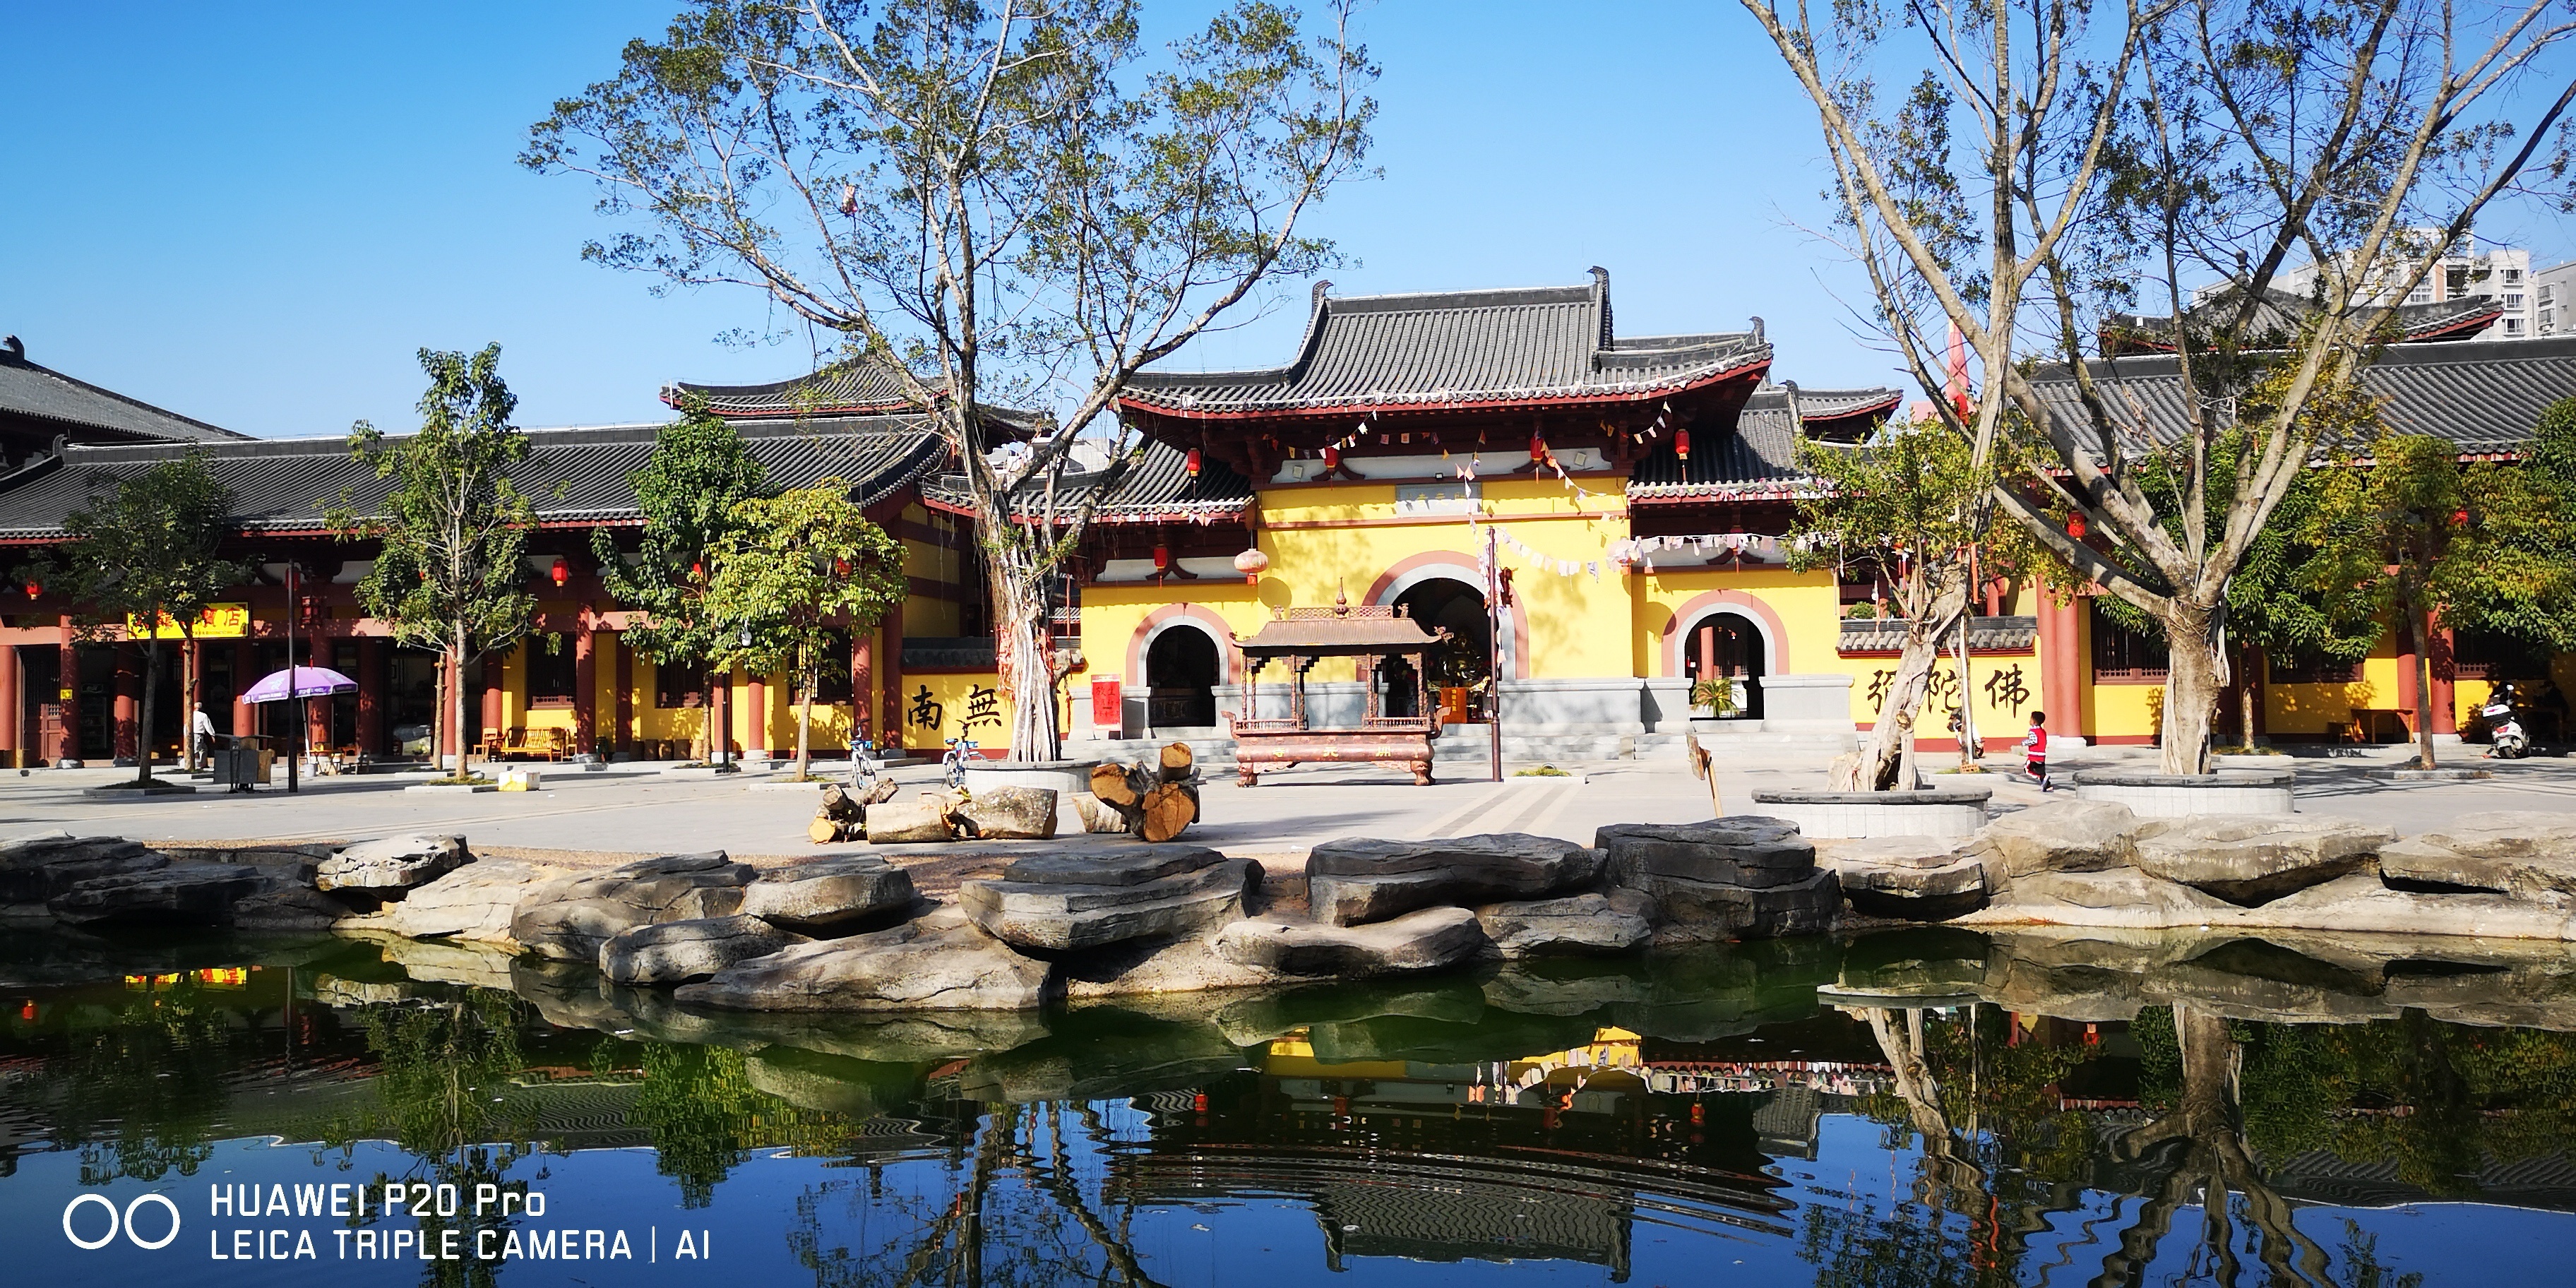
x=1155 y=800
x=844 y=815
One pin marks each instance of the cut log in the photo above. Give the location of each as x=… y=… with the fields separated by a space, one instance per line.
x=897 y=823
x=823 y=829
x=1177 y=762
x=1009 y=814
x=1098 y=815
x=1168 y=810
x=1109 y=783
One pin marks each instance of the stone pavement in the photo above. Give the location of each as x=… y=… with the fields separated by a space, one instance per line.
x=640 y=809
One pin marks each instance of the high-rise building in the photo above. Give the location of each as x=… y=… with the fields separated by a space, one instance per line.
x=2470 y=269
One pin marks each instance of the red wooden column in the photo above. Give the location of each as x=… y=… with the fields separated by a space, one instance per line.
x=890 y=663
x=624 y=738
x=755 y=711
x=129 y=701
x=585 y=690
x=2445 y=706
x=372 y=679
x=863 y=718
x=245 y=674
x=67 y=695
x=493 y=714
x=13 y=701
x=2061 y=674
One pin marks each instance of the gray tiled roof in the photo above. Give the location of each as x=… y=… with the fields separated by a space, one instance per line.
x=2281 y=312
x=844 y=387
x=2486 y=396
x=27 y=389
x=1150 y=487
x=1760 y=459
x=1886 y=635
x=1450 y=347
x=572 y=475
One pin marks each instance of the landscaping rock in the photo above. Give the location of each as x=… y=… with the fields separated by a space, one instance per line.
x=899 y=823
x=829 y=897
x=1125 y=866
x=391 y=863
x=1143 y=968
x=676 y=952
x=1706 y=911
x=34 y=869
x=1010 y=814
x=1054 y=916
x=568 y=919
x=2249 y=859
x=1741 y=850
x=2058 y=836
x=1358 y=880
x=1579 y=925
x=2123 y=897
x=285 y=904
x=1430 y=939
x=939 y=962
x=1919 y=878
x=2525 y=853
x=476 y=902
x=2362 y=903
x=194 y=893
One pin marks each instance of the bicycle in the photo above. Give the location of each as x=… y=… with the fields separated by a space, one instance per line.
x=865 y=771
x=952 y=767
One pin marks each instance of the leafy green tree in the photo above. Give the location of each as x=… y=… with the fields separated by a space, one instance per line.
x=452 y=571
x=146 y=552
x=700 y=470
x=1910 y=507
x=986 y=203
x=2513 y=572
x=791 y=568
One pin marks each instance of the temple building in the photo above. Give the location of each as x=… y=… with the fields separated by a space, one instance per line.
x=1414 y=455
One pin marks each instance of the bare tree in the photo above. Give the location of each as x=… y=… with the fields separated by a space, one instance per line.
x=2181 y=144
x=992 y=202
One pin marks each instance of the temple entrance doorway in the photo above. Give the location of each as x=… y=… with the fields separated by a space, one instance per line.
x=1180 y=677
x=1723 y=644
x=1461 y=668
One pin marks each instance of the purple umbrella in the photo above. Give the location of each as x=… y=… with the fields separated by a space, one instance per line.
x=307 y=682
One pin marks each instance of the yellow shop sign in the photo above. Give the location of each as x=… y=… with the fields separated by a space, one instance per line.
x=219 y=621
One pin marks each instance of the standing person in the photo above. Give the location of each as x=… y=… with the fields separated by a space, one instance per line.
x=2035 y=747
x=201 y=729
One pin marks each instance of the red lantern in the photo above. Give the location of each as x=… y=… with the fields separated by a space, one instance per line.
x=1193 y=462
x=2460 y=518
x=1332 y=458
x=34 y=588
x=1681 y=443
x=840 y=567
x=2075 y=525
x=1162 y=558
x=1538 y=448
x=561 y=572
x=698 y=571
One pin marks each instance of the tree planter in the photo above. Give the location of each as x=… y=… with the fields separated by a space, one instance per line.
x=2184 y=795
x=1065 y=778
x=1940 y=811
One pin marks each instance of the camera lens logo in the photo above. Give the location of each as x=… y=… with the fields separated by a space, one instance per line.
x=120 y=1221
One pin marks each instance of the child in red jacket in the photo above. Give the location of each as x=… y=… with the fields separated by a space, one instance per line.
x=2035 y=747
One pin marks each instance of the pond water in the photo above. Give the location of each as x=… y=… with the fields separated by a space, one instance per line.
x=1923 y=1108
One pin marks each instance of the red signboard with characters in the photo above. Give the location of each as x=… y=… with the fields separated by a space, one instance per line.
x=1105 y=694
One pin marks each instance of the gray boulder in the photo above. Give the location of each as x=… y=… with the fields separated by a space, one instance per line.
x=2254 y=858
x=2059 y=836
x=1009 y=814
x=391 y=863
x=939 y=962
x=2525 y=853
x=1050 y=916
x=1919 y=878
x=1431 y=939
x=2122 y=897
x=568 y=919
x=192 y=893
x=476 y=902
x=1708 y=911
x=829 y=896
x=1358 y=880
x=1125 y=866
x=1742 y=850
x=34 y=869
x=676 y=952
x=1577 y=925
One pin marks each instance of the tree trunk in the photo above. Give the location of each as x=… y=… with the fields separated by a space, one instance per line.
x=805 y=724
x=1028 y=668
x=151 y=686
x=2195 y=674
x=2248 y=665
x=455 y=695
x=1875 y=768
x=188 y=700
x=2415 y=626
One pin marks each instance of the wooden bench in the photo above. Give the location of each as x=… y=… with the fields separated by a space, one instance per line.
x=551 y=744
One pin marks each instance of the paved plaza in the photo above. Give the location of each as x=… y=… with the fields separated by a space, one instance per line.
x=643 y=808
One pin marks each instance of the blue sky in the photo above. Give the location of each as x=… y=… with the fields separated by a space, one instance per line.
x=255 y=214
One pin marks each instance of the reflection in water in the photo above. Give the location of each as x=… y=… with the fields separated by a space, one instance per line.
x=2042 y=1109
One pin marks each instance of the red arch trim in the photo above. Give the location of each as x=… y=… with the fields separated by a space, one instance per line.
x=1773 y=629
x=1385 y=582
x=1229 y=659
